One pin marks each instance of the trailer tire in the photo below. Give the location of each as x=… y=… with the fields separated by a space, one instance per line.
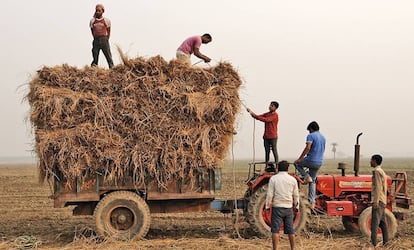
x=260 y=225
x=350 y=224
x=364 y=222
x=122 y=215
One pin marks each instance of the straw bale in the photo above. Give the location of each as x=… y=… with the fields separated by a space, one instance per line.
x=150 y=116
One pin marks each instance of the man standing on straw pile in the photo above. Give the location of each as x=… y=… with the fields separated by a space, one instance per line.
x=271 y=120
x=192 y=45
x=379 y=200
x=282 y=195
x=101 y=31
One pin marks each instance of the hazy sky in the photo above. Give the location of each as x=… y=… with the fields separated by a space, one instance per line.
x=349 y=65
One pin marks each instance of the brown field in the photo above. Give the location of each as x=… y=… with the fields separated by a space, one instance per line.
x=28 y=220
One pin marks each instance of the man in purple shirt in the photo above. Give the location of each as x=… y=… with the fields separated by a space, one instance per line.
x=192 y=46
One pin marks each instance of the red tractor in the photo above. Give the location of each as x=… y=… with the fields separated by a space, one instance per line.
x=336 y=195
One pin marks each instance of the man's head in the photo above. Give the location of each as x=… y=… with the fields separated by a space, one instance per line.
x=99 y=10
x=376 y=160
x=312 y=127
x=206 y=38
x=273 y=106
x=283 y=166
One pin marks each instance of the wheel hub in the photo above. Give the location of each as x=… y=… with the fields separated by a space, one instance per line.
x=122 y=218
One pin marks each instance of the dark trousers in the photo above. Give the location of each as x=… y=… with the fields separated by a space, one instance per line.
x=282 y=216
x=101 y=43
x=378 y=219
x=270 y=144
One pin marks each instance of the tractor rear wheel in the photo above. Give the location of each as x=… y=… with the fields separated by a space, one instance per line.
x=364 y=222
x=350 y=224
x=122 y=215
x=260 y=222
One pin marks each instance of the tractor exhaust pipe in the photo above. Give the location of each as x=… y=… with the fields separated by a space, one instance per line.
x=356 y=155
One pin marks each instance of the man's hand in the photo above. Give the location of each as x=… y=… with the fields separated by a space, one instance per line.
x=251 y=112
x=207 y=60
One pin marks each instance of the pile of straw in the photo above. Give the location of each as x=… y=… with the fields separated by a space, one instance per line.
x=146 y=117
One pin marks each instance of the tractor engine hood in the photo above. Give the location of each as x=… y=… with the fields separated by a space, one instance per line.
x=335 y=185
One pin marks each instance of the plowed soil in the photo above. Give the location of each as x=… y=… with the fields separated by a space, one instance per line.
x=29 y=220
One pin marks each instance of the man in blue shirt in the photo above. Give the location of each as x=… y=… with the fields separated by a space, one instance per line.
x=311 y=158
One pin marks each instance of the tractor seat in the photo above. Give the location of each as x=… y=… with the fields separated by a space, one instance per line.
x=342 y=165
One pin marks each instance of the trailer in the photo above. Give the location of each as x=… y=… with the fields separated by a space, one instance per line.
x=123 y=210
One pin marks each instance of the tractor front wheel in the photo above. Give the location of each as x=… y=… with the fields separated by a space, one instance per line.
x=364 y=222
x=259 y=219
x=122 y=215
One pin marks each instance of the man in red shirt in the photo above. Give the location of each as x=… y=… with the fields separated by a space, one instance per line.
x=271 y=120
x=101 y=31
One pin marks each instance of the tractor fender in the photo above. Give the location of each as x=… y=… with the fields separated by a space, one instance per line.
x=260 y=181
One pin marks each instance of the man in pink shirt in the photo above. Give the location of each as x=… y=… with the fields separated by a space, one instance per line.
x=192 y=45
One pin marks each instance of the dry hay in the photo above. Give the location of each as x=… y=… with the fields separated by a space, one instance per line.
x=316 y=242
x=148 y=116
x=222 y=242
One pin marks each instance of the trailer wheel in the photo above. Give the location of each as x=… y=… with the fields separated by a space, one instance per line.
x=364 y=222
x=350 y=224
x=259 y=220
x=122 y=215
